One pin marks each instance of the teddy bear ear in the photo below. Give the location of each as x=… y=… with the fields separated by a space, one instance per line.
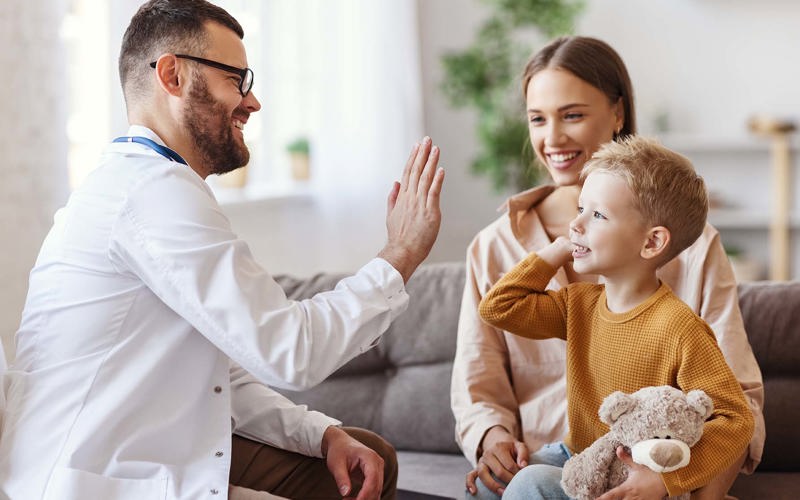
x=700 y=402
x=614 y=406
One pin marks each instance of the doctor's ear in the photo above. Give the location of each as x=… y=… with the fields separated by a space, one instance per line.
x=658 y=239
x=168 y=75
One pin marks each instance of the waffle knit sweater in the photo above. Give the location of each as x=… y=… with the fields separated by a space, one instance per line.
x=659 y=342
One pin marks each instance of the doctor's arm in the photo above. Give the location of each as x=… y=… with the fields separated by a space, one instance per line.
x=172 y=235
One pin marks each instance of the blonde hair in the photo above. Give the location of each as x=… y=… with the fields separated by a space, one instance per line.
x=666 y=189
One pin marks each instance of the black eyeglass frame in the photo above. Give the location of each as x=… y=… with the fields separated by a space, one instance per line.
x=243 y=73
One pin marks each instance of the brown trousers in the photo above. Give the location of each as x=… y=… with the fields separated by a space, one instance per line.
x=264 y=468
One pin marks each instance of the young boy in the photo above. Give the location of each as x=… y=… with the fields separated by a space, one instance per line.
x=641 y=205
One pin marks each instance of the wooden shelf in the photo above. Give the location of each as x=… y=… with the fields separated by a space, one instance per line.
x=692 y=143
x=725 y=218
x=776 y=156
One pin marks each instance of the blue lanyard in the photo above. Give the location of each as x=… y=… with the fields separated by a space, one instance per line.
x=158 y=148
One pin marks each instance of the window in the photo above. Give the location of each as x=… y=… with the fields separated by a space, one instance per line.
x=321 y=71
x=92 y=32
x=88 y=70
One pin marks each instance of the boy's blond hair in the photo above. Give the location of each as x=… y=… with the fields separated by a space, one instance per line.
x=666 y=189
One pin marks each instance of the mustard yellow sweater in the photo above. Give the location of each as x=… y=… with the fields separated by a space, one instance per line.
x=659 y=342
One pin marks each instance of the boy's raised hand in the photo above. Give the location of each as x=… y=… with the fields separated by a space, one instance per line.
x=558 y=253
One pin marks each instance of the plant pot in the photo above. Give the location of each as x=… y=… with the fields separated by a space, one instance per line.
x=746 y=268
x=233 y=180
x=301 y=170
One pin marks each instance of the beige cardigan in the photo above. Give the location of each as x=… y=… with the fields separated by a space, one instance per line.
x=502 y=379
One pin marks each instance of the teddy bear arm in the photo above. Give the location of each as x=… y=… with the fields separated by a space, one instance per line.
x=586 y=475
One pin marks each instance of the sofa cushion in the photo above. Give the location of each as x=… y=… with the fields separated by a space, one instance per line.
x=401 y=388
x=771 y=312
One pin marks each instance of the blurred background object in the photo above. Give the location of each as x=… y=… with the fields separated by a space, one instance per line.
x=778 y=131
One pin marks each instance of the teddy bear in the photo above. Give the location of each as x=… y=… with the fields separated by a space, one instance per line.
x=658 y=425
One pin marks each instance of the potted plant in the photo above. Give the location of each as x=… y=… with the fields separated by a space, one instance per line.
x=745 y=268
x=299 y=156
x=485 y=77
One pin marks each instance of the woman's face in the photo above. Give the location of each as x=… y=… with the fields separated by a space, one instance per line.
x=568 y=120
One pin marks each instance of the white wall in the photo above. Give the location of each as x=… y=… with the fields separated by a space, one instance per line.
x=710 y=63
x=32 y=145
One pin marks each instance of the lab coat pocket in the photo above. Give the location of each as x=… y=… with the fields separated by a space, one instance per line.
x=68 y=484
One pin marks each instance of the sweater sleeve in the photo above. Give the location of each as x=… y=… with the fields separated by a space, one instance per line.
x=520 y=304
x=727 y=432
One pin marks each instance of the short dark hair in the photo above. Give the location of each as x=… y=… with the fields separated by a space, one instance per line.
x=593 y=61
x=161 y=26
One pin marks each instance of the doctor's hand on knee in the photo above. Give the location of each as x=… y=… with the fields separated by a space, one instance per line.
x=344 y=456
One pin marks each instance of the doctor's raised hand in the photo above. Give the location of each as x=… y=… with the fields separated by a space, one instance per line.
x=413 y=215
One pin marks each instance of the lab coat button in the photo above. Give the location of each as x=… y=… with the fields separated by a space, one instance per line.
x=215 y=491
x=217 y=389
x=219 y=453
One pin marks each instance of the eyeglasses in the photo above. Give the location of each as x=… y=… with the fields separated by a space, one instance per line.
x=245 y=75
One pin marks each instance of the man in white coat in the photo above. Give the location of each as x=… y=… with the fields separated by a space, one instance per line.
x=150 y=333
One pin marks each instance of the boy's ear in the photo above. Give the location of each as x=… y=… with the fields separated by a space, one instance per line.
x=658 y=238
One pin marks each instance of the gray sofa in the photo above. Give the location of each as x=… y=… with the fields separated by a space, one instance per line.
x=401 y=388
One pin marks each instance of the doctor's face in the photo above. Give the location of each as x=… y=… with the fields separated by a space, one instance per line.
x=215 y=110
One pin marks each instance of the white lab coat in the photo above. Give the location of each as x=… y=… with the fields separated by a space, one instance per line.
x=149 y=331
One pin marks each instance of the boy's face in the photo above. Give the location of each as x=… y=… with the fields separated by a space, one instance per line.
x=608 y=232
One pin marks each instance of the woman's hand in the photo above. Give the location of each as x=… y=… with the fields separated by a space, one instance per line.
x=642 y=483
x=503 y=455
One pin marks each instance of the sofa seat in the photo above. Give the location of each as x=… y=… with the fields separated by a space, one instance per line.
x=401 y=388
x=440 y=474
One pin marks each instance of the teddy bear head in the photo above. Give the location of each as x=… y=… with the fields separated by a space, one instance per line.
x=661 y=412
x=657 y=425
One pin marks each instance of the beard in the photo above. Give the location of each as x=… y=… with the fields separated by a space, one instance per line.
x=210 y=128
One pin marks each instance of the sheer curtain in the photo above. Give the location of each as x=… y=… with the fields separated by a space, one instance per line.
x=347 y=74
x=370 y=113
x=32 y=143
